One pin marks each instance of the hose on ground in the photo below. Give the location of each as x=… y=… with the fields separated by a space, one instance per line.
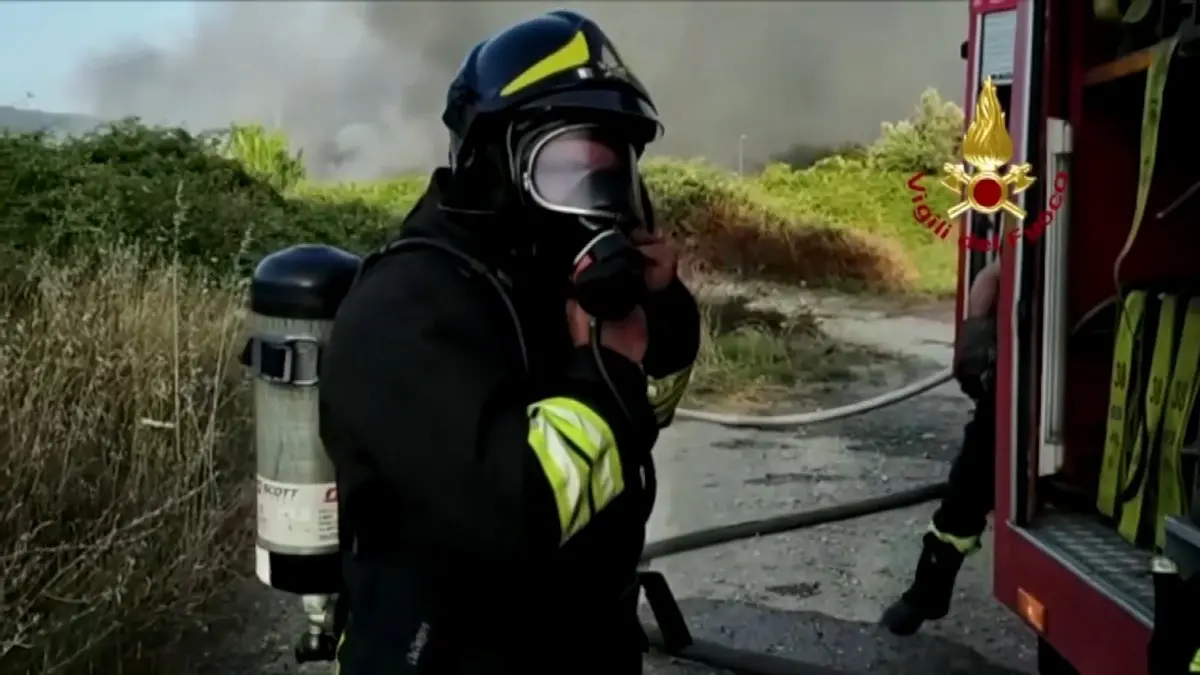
x=724 y=534
x=745 y=662
x=802 y=419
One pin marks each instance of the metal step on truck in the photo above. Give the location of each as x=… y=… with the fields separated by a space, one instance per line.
x=1098 y=498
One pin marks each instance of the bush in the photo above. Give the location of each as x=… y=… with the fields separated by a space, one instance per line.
x=122 y=184
x=924 y=142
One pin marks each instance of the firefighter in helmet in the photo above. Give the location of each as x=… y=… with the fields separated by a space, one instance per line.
x=961 y=518
x=498 y=375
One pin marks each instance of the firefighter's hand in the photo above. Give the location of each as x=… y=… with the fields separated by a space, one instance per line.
x=627 y=337
x=662 y=260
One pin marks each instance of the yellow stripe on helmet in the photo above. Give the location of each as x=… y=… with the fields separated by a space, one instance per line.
x=572 y=55
x=578 y=454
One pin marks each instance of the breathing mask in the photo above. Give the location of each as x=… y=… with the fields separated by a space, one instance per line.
x=585 y=177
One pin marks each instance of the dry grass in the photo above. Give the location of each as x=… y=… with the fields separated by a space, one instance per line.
x=738 y=227
x=738 y=240
x=126 y=457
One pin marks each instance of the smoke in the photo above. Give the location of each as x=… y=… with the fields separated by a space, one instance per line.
x=360 y=86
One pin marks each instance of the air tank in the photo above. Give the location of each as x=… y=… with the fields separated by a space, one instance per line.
x=294 y=295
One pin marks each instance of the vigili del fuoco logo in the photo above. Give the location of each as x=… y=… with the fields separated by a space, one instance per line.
x=987 y=148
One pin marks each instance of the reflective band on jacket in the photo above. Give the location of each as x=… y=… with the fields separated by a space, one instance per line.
x=1195 y=667
x=1181 y=397
x=665 y=393
x=1144 y=443
x=961 y=544
x=1120 y=414
x=578 y=454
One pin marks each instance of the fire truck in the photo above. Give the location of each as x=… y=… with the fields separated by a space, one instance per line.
x=1096 y=490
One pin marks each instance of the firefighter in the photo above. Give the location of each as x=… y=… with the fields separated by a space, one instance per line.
x=498 y=375
x=961 y=518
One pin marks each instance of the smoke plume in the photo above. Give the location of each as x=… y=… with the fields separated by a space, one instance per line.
x=360 y=86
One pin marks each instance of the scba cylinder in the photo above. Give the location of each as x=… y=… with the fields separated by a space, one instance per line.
x=294 y=295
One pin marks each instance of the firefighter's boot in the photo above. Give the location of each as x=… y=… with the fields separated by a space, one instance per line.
x=929 y=596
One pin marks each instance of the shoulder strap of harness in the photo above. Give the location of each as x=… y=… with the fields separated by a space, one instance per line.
x=473 y=264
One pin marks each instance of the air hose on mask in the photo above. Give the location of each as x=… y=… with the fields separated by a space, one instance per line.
x=609 y=284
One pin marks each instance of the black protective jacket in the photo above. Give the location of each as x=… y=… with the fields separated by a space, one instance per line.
x=493 y=494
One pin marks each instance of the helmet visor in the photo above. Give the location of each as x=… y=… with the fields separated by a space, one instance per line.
x=583 y=171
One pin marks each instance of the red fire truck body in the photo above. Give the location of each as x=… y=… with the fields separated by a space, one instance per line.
x=1073 y=107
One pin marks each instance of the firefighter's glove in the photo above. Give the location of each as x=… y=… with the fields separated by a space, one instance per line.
x=976 y=357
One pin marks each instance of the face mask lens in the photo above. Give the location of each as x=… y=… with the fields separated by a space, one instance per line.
x=579 y=171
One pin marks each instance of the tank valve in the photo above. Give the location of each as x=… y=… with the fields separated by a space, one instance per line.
x=318 y=642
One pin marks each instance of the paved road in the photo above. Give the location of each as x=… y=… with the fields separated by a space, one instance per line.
x=812 y=595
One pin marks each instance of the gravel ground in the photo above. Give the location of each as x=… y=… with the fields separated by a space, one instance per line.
x=812 y=595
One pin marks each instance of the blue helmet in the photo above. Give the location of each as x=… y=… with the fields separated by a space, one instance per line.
x=560 y=61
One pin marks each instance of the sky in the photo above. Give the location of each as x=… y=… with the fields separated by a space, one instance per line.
x=43 y=43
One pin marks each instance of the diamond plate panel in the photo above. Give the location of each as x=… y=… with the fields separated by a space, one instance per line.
x=1097 y=549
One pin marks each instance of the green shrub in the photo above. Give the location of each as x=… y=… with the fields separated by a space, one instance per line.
x=924 y=142
x=123 y=184
x=265 y=155
x=844 y=220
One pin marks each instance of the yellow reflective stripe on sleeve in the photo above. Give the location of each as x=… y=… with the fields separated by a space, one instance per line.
x=665 y=393
x=963 y=545
x=1130 y=525
x=578 y=454
x=1120 y=413
x=572 y=55
x=1181 y=398
x=1195 y=667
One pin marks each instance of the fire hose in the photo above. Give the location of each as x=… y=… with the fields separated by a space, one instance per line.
x=803 y=419
x=671 y=636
